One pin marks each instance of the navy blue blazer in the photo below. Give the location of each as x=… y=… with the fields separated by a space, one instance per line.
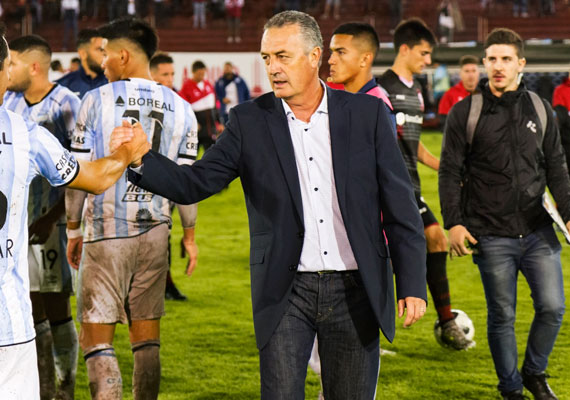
x=370 y=178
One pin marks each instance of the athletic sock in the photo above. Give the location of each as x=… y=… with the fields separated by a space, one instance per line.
x=103 y=371
x=65 y=351
x=44 y=342
x=439 y=285
x=146 y=371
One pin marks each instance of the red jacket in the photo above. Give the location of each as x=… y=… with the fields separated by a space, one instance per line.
x=200 y=99
x=452 y=96
x=561 y=96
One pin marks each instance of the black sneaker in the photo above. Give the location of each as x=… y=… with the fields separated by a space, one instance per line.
x=172 y=293
x=514 y=395
x=538 y=386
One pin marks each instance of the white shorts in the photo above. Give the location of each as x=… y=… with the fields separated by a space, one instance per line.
x=19 y=378
x=49 y=270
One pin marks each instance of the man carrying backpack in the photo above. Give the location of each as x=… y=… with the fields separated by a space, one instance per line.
x=500 y=150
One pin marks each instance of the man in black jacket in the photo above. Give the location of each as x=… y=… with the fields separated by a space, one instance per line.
x=491 y=195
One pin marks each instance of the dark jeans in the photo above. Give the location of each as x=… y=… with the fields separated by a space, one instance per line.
x=499 y=260
x=335 y=307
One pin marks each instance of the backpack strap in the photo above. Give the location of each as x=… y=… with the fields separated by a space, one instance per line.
x=474 y=114
x=541 y=112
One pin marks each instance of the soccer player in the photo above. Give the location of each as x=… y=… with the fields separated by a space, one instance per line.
x=413 y=43
x=89 y=75
x=54 y=107
x=26 y=151
x=199 y=92
x=468 y=80
x=124 y=251
x=162 y=70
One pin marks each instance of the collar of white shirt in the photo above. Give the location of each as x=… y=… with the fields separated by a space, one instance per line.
x=322 y=108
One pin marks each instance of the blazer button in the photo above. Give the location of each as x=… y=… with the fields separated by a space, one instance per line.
x=301 y=235
x=292 y=267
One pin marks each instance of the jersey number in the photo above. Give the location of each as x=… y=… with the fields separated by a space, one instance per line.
x=3 y=209
x=157 y=120
x=49 y=256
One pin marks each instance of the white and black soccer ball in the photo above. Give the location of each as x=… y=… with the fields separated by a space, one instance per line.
x=463 y=322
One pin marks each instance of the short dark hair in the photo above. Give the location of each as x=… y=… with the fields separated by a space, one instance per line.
x=85 y=35
x=135 y=31
x=3 y=46
x=55 y=65
x=30 y=42
x=505 y=36
x=411 y=32
x=76 y=60
x=362 y=31
x=160 y=58
x=468 y=59
x=198 y=65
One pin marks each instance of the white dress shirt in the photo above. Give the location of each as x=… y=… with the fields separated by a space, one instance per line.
x=325 y=246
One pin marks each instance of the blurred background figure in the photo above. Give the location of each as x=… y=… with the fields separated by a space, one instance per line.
x=233 y=15
x=70 y=11
x=335 y=4
x=199 y=14
x=56 y=70
x=231 y=90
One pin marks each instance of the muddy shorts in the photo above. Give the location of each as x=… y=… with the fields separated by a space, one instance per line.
x=122 y=280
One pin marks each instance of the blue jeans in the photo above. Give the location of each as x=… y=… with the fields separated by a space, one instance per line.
x=335 y=307
x=499 y=260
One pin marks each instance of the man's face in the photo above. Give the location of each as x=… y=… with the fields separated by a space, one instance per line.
x=503 y=66
x=289 y=66
x=163 y=74
x=418 y=56
x=111 y=61
x=469 y=75
x=199 y=74
x=95 y=55
x=228 y=70
x=346 y=58
x=4 y=75
x=20 y=79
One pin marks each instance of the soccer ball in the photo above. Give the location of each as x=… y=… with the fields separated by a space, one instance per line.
x=463 y=322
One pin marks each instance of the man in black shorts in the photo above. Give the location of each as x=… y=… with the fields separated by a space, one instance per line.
x=414 y=42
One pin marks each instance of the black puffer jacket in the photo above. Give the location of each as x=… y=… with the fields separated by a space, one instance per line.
x=496 y=186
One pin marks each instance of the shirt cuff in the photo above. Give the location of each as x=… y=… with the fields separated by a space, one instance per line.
x=138 y=170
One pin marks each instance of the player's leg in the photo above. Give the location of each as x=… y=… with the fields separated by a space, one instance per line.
x=65 y=342
x=104 y=276
x=44 y=345
x=146 y=307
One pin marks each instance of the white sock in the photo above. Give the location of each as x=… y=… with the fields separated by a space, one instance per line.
x=103 y=371
x=65 y=352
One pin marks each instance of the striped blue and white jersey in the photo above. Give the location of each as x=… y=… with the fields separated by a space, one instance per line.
x=126 y=210
x=26 y=151
x=56 y=112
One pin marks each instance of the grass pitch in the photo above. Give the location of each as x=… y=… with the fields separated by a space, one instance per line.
x=208 y=347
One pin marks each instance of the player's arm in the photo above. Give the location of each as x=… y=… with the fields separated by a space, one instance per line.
x=426 y=158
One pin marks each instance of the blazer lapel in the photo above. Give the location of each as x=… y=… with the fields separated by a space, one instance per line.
x=339 y=123
x=279 y=129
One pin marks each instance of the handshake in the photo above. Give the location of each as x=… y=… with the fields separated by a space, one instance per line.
x=132 y=139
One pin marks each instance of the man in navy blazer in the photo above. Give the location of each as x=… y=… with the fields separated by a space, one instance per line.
x=323 y=178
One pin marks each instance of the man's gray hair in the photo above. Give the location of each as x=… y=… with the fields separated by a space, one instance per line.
x=308 y=26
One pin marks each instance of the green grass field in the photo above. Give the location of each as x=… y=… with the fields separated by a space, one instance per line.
x=208 y=348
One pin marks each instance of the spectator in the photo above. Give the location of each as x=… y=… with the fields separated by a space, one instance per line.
x=561 y=104
x=159 y=11
x=199 y=92
x=74 y=64
x=395 y=14
x=546 y=7
x=336 y=7
x=89 y=9
x=116 y=9
x=468 y=80
x=88 y=75
x=70 y=11
x=450 y=20
x=56 y=71
x=200 y=14
x=233 y=15
x=231 y=90
x=520 y=8
x=282 y=5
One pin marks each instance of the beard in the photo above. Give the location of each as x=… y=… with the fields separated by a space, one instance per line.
x=19 y=87
x=93 y=66
x=229 y=76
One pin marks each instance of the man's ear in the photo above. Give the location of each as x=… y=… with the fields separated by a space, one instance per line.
x=125 y=56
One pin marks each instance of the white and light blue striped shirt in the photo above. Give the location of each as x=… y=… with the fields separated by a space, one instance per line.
x=56 y=112
x=26 y=150
x=126 y=210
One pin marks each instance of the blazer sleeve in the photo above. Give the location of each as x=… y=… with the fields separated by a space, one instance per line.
x=400 y=214
x=186 y=184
